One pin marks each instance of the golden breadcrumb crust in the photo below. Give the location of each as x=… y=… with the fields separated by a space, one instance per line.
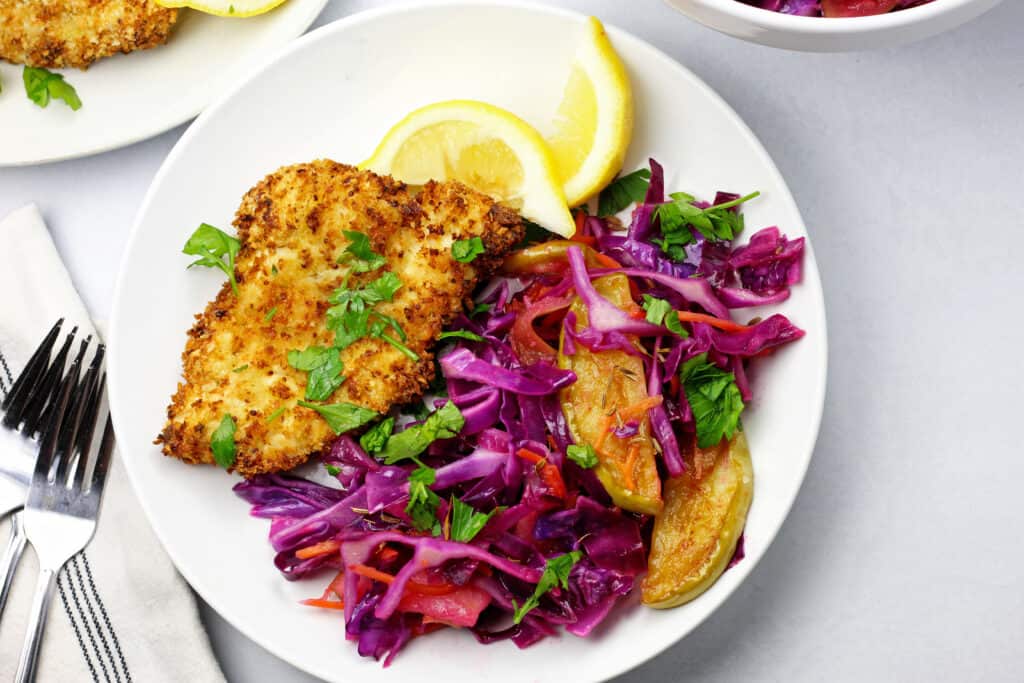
x=75 y=33
x=291 y=230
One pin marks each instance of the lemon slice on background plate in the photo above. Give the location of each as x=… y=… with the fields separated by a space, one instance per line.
x=225 y=8
x=488 y=148
x=594 y=123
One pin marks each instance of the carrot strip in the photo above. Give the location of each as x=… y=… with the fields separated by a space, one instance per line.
x=325 y=604
x=627 y=472
x=529 y=456
x=720 y=323
x=371 y=573
x=639 y=409
x=606 y=426
x=321 y=548
x=607 y=261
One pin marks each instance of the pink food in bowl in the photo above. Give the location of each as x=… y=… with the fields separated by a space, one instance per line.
x=834 y=8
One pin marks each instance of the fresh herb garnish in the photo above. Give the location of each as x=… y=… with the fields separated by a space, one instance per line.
x=276 y=414
x=333 y=470
x=342 y=417
x=714 y=398
x=623 y=191
x=222 y=442
x=480 y=308
x=460 y=334
x=41 y=85
x=466 y=522
x=359 y=256
x=211 y=245
x=443 y=423
x=660 y=312
x=716 y=222
x=423 y=502
x=240 y=368
x=583 y=455
x=324 y=368
x=270 y=314
x=375 y=438
x=352 y=316
x=556 y=572
x=465 y=251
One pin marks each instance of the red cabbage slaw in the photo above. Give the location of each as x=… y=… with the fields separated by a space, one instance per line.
x=532 y=561
x=834 y=8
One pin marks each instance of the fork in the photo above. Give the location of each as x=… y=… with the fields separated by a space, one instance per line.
x=23 y=409
x=66 y=487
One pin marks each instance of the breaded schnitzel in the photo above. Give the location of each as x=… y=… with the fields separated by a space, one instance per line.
x=291 y=230
x=66 y=33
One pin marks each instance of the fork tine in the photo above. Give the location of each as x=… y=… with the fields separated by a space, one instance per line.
x=51 y=434
x=99 y=470
x=48 y=389
x=74 y=419
x=93 y=401
x=29 y=379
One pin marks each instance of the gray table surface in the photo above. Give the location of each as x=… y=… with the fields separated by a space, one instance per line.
x=901 y=559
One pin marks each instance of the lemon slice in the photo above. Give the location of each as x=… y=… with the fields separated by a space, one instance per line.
x=225 y=8
x=594 y=123
x=483 y=146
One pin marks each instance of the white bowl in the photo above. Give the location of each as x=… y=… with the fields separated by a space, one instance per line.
x=817 y=34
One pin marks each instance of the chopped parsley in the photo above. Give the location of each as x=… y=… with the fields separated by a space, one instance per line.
x=623 y=191
x=660 y=312
x=375 y=438
x=42 y=85
x=332 y=470
x=423 y=503
x=276 y=414
x=466 y=251
x=716 y=222
x=352 y=316
x=342 y=417
x=270 y=314
x=222 y=442
x=460 y=334
x=480 y=308
x=240 y=368
x=583 y=455
x=212 y=245
x=466 y=522
x=324 y=368
x=359 y=256
x=714 y=398
x=556 y=572
x=443 y=423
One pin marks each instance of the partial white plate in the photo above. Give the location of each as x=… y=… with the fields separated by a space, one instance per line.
x=128 y=98
x=334 y=93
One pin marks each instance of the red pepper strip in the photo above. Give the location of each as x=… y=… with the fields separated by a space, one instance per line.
x=548 y=473
x=720 y=323
x=412 y=586
x=325 y=604
x=527 y=344
x=321 y=548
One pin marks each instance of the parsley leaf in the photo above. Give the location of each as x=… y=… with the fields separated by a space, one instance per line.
x=714 y=398
x=374 y=439
x=716 y=222
x=240 y=368
x=222 y=442
x=660 y=312
x=623 y=191
x=465 y=251
x=423 y=503
x=556 y=572
x=211 y=245
x=41 y=85
x=324 y=367
x=352 y=316
x=460 y=334
x=583 y=455
x=276 y=414
x=480 y=308
x=342 y=417
x=332 y=470
x=359 y=255
x=443 y=423
x=466 y=521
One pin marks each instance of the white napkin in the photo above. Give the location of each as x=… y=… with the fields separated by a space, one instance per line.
x=122 y=612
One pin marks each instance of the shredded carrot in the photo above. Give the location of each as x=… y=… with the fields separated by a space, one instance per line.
x=627 y=471
x=371 y=573
x=720 y=323
x=529 y=456
x=639 y=409
x=325 y=604
x=387 y=554
x=607 y=261
x=316 y=549
x=606 y=426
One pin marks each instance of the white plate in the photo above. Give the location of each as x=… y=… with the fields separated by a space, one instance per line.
x=335 y=92
x=127 y=98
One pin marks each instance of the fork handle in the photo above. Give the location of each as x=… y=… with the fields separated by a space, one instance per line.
x=9 y=563
x=37 y=624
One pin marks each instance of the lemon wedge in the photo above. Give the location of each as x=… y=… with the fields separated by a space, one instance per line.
x=225 y=8
x=594 y=122
x=486 y=147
